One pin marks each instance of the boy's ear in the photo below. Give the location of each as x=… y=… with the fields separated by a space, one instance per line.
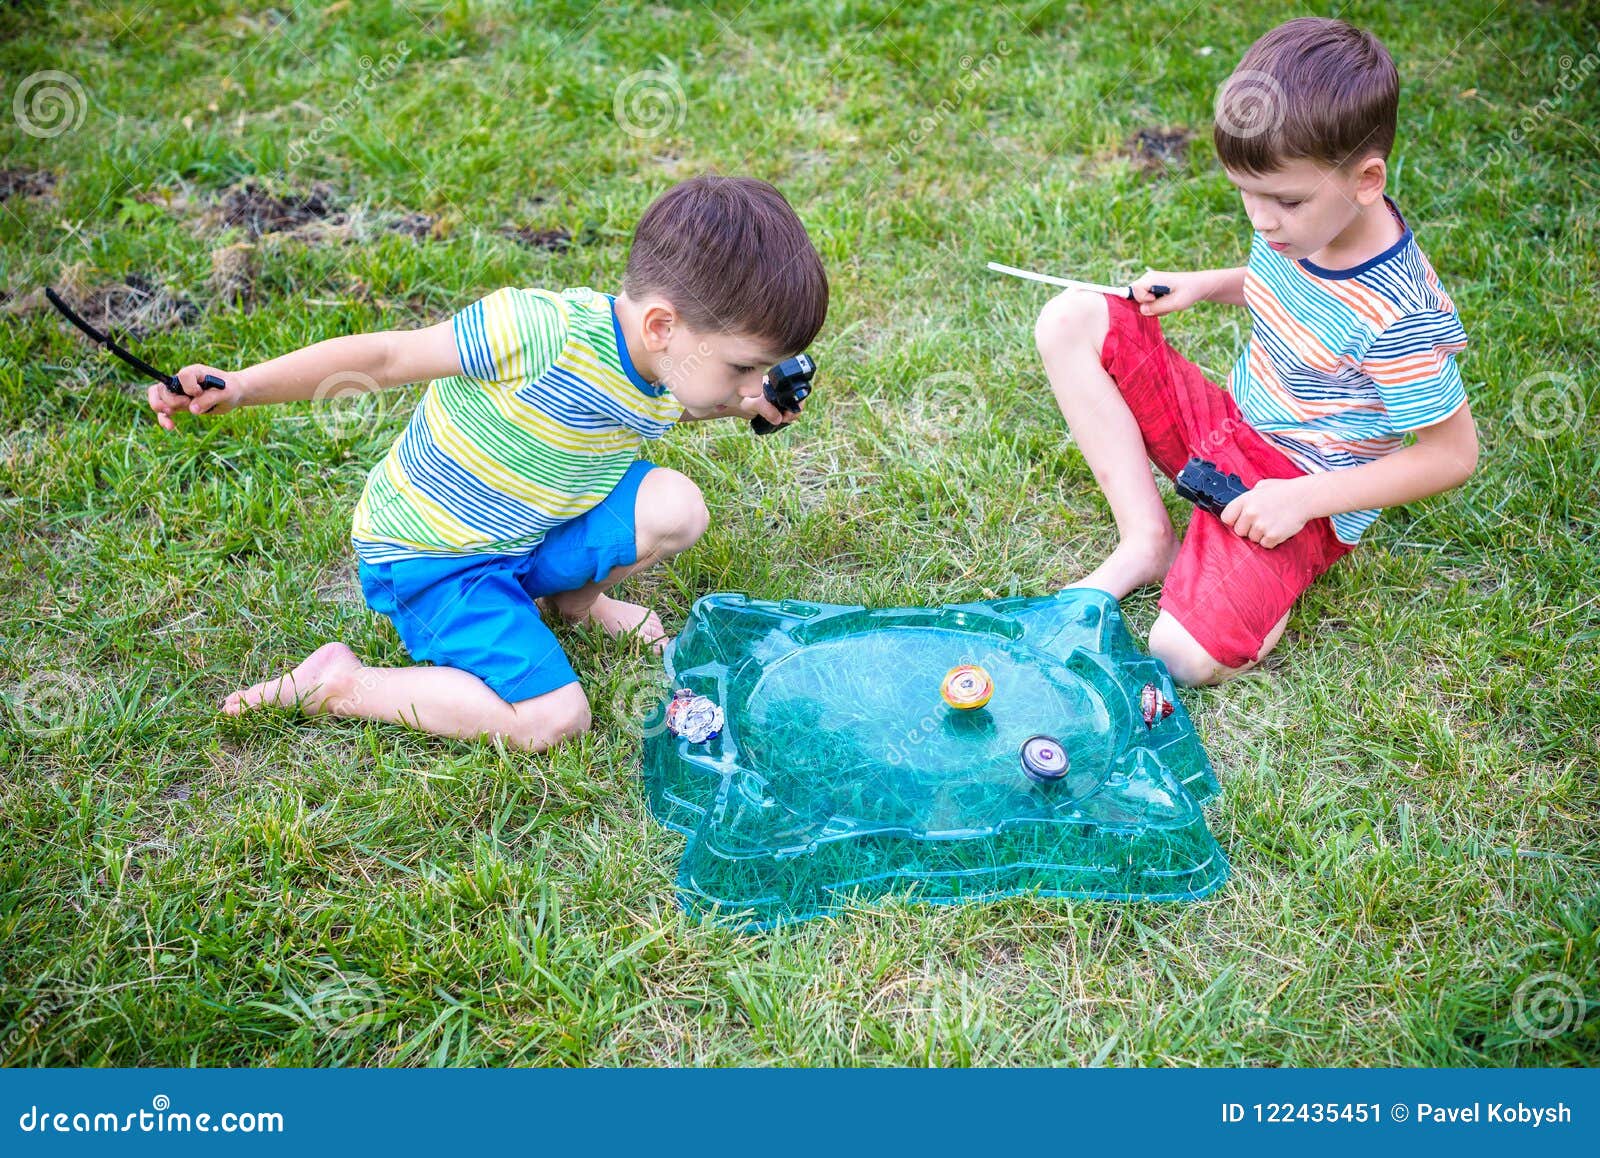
x=1371 y=177
x=658 y=321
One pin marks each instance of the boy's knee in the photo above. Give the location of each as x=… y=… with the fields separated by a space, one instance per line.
x=1072 y=318
x=1189 y=663
x=545 y=721
x=672 y=512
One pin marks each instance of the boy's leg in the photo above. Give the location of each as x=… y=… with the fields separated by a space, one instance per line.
x=487 y=621
x=443 y=700
x=498 y=670
x=1226 y=600
x=1192 y=664
x=1128 y=397
x=669 y=516
x=1071 y=334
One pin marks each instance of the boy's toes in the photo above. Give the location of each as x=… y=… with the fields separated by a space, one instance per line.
x=318 y=679
x=627 y=620
x=651 y=631
x=648 y=630
x=267 y=691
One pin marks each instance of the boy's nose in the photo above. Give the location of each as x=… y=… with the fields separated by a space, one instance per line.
x=1259 y=221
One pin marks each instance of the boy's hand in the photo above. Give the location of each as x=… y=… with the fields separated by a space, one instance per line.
x=751 y=407
x=195 y=398
x=1186 y=289
x=1270 y=512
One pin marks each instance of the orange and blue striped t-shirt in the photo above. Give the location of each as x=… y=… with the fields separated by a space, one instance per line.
x=1341 y=364
x=545 y=418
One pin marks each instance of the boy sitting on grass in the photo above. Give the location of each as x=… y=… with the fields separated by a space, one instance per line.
x=1351 y=349
x=518 y=477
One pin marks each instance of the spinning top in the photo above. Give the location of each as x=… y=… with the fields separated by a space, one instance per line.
x=1044 y=759
x=966 y=686
x=1155 y=706
x=695 y=718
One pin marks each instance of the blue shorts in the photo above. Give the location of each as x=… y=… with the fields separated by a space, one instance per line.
x=477 y=612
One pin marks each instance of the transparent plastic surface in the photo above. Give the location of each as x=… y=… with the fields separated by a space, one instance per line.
x=840 y=773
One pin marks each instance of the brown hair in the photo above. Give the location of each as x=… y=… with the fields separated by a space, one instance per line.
x=732 y=257
x=1312 y=88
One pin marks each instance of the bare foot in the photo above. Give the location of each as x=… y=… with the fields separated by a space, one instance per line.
x=619 y=619
x=1134 y=563
x=321 y=676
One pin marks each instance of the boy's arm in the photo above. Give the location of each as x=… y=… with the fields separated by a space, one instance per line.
x=747 y=408
x=374 y=361
x=1443 y=457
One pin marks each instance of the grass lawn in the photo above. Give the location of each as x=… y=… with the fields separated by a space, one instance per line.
x=1410 y=785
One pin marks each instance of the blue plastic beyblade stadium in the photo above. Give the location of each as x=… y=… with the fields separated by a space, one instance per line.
x=817 y=755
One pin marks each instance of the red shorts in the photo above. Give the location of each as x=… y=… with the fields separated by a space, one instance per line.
x=1227 y=592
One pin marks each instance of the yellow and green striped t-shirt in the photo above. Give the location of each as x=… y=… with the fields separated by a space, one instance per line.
x=544 y=420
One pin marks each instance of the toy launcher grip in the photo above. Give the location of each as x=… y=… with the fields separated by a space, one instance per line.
x=786 y=386
x=209 y=382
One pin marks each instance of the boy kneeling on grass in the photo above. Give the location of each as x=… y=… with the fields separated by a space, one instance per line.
x=518 y=478
x=1351 y=348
